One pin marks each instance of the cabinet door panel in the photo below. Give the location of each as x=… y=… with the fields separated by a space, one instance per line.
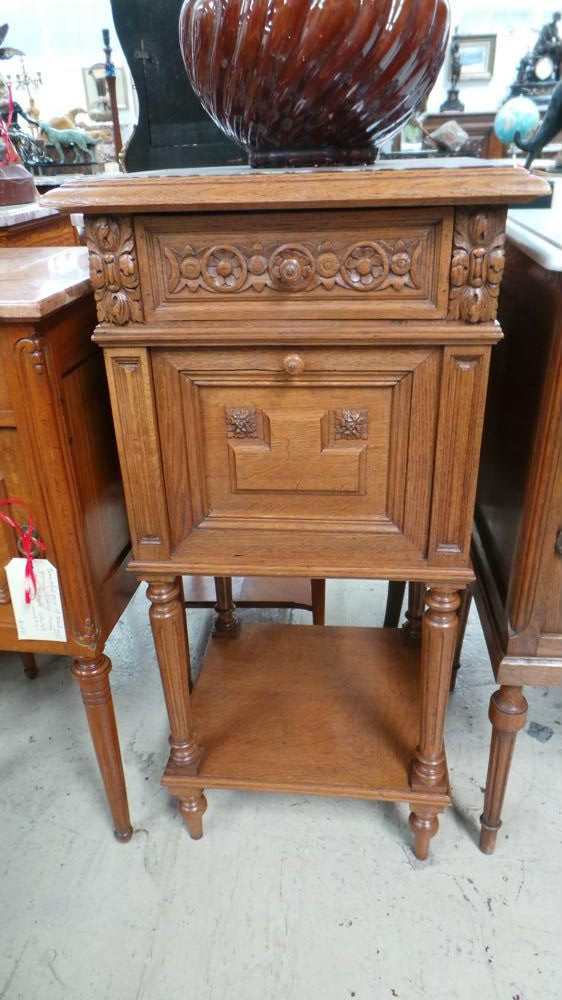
x=344 y=444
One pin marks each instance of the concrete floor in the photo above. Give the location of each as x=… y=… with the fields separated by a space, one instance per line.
x=285 y=898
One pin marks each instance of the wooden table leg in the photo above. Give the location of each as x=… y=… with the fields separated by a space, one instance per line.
x=30 y=667
x=508 y=715
x=412 y=627
x=318 y=596
x=394 y=602
x=439 y=635
x=92 y=675
x=464 y=612
x=227 y=624
x=169 y=629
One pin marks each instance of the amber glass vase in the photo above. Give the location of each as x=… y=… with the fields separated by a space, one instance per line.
x=303 y=82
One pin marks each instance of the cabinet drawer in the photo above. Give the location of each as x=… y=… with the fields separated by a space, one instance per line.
x=306 y=440
x=360 y=264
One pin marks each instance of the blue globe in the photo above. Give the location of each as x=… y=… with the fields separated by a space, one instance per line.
x=520 y=114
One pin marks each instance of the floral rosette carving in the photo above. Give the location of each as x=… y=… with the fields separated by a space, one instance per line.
x=292 y=267
x=224 y=269
x=113 y=270
x=477 y=265
x=362 y=267
x=241 y=423
x=351 y=425
x=365 y=266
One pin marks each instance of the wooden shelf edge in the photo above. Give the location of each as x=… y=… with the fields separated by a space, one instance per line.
x=183 y=784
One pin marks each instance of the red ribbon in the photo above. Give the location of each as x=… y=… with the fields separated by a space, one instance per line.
x=27 y=541
x=10 y=155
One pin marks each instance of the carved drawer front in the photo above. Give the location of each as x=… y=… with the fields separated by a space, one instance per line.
x=312 y=440
x=363 y=264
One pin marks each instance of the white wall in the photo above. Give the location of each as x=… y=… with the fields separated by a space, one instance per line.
x=59 y=38
x=513 y=22
x=62 y=36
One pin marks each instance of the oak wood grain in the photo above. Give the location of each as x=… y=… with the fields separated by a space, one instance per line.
x=241 y=189
x=297 y=708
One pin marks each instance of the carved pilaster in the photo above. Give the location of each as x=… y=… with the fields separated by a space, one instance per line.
x=114 y=270
x=478 y=264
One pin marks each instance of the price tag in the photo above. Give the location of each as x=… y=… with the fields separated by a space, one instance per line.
x=42 y=618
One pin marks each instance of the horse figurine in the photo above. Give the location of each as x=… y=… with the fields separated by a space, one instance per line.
x=551 y=126
x=59 y=137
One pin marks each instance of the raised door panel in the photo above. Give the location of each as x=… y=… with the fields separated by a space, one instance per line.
x=317 y=440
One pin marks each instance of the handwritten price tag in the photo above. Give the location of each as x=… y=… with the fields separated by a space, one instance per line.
x=42 y=618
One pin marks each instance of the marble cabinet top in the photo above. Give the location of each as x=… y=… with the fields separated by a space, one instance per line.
x=15 y=215
x=35 y=282
x=538 y=231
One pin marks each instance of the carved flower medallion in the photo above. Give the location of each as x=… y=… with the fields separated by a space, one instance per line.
x=292 y=267
x=224 y=269
x=351 y=425
x=366 y=265
x=241 y=423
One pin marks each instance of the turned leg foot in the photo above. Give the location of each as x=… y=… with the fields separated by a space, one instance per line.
x=424 y=824
x=318 y=592
x=192 y=808
x=30 y=667
x=227 y=624
x=93 y=677
x=508 y=714
x=394 y=602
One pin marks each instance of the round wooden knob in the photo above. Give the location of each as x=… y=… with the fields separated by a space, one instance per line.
x=293 y=364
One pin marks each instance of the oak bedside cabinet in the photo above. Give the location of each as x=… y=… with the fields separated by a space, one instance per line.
x=58 y=455
x=298 y=365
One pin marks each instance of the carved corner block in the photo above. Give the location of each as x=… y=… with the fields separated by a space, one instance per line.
x=477 y=265
x=114 y=270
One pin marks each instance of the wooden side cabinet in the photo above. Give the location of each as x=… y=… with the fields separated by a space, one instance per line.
x=35 y=226
x=57 y=452
x=298 y=365
x=517 y=541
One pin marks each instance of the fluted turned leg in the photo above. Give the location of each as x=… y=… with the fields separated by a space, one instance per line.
x=318 y=594
x=30 y=667
x=227 y=623
x=428 y=771
x=412 y=627
x=394 y=602
x=464 y=611
x=169 y=630
x=508 y=715
x=92 y=675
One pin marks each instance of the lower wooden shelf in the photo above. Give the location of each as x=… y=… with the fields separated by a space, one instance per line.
x=312 y=710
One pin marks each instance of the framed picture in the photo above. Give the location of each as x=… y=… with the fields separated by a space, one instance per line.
x=477 y=54
x=95 y=87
